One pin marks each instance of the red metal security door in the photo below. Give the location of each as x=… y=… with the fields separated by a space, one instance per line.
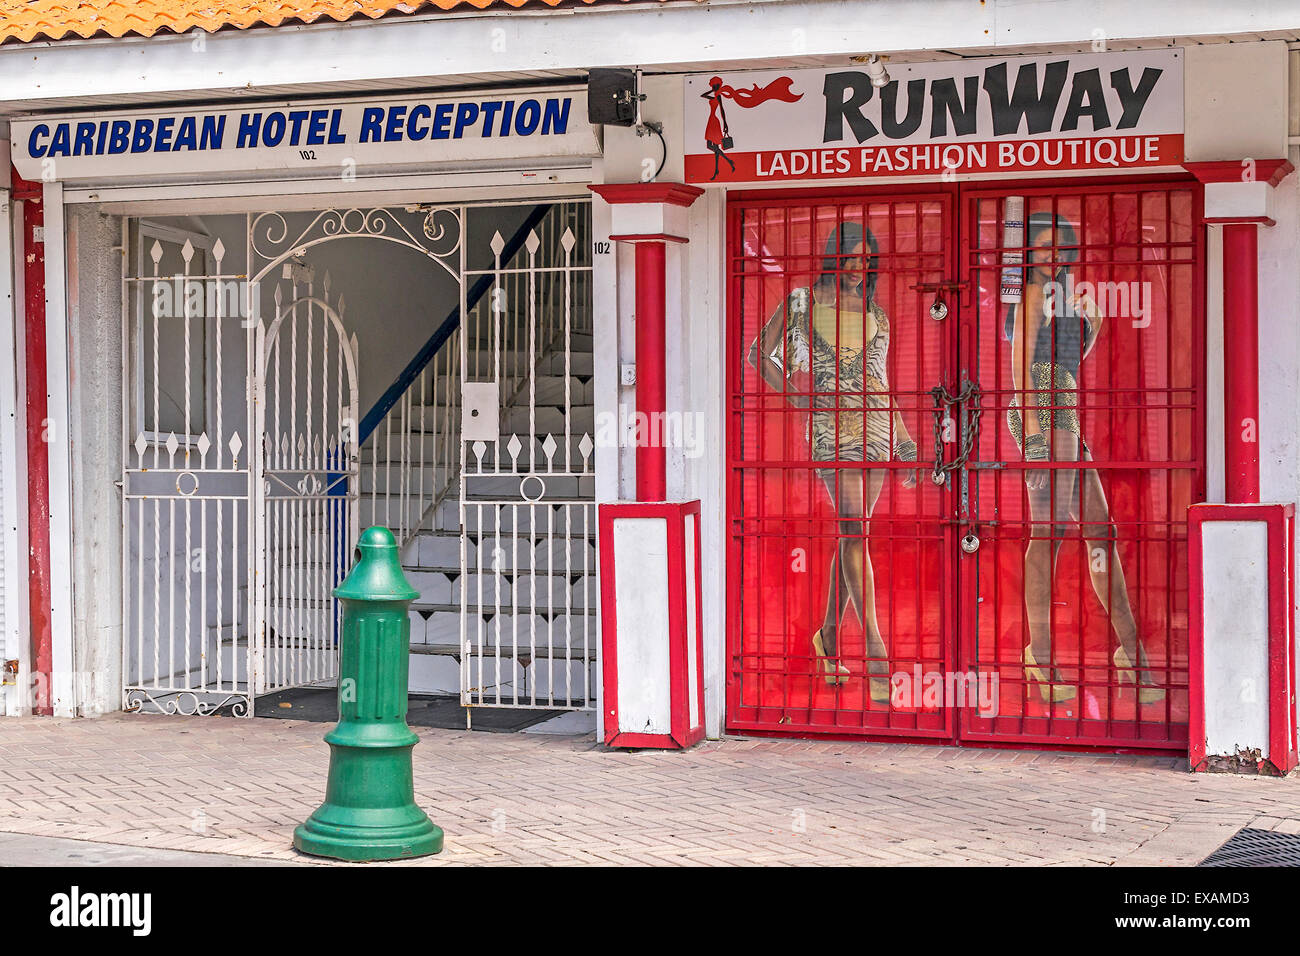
x=1076 y=600
x=841 y=553
x=1035 y=596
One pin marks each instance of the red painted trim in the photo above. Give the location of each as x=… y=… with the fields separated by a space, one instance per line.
x=1280 y=519
x=23 y=189
x=651 y=371
x=1271 y=171
x=679 y=703
x=1050 y=747
x=649 y=237
x=674 y=194
x=697 y=731
x=608 y=623
x=1195 y=638
x=1241 y=362
x=1239 y=220
x=643 y=741
x=798 y=196
x=682 y=733
x=38 y=449
x=1281 y=647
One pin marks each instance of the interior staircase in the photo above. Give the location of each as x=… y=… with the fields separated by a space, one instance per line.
x=528 y=526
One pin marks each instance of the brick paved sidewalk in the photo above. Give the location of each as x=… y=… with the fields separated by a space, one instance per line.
x=226 y=785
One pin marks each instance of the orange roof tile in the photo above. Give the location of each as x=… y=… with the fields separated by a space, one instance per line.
x=26 y=20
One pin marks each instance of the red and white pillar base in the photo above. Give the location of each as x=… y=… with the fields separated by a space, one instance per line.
x=651 y=644
x=1242 y=662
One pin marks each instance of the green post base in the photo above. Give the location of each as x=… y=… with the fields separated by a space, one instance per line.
x=361 y=844
x=369 y=811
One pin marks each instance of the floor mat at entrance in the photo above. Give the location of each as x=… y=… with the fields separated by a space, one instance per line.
x=445 y=713
x=1250 y=847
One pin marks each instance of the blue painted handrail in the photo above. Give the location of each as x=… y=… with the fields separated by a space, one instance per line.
x=449 y=325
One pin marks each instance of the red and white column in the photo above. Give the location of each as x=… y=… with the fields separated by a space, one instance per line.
x=1242 y=663
x=651 y=645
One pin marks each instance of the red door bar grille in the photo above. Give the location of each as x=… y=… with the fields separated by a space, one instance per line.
x=907 y=555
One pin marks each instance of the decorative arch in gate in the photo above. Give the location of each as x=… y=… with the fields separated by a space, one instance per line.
x=232 y=547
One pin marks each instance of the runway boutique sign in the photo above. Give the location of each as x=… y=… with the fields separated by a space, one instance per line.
x=321 y=137
x=1004 y=115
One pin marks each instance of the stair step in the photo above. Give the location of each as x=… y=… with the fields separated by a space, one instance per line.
x=532 y=588
x=491 y=610
x=573 y=654
x=430 y=550
x=541 y=571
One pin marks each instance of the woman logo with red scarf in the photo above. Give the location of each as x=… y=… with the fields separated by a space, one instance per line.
x=717 y=133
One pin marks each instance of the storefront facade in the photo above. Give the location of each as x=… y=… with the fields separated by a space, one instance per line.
x=868 y=268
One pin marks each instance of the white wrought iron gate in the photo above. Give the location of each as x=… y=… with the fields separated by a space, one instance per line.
x=242 y=440
x=528 y=594
x=239 y=473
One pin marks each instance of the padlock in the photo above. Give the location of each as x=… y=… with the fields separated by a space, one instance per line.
x=939 y=310
x=938 y=477
x=970 y=543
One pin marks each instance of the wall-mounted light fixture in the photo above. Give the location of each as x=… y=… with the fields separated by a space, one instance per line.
x=874 y=67
x=614 y=98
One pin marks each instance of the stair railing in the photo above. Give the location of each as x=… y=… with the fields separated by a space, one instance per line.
x=410 y=441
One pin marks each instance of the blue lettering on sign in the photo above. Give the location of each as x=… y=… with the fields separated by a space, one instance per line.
x=164 y=140
x=187 y=135
x=556 y=118
x=370 y=120
x=441 y=117
x=316 y=127
x=34 y=149
x=120 y=137
x=85 y=142
x=488 y=119
x=273 y=129
x=466 y=115
x=490 y=110
x=143 y=137
x=527 y=117
x=393 y=130
x=414 y=132
x=249 y=124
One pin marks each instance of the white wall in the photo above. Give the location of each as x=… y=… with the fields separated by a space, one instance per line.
x=14 y=629
x=95 y=324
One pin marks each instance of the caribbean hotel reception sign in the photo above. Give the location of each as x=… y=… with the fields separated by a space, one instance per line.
x=316 y=137
x=946 y=118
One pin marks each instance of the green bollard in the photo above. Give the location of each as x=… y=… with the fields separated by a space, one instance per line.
x=369 y=811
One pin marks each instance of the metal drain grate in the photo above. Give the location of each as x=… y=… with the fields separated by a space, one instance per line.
x=1249 y=847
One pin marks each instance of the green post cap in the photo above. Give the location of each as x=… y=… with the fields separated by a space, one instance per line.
x=377 y=575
